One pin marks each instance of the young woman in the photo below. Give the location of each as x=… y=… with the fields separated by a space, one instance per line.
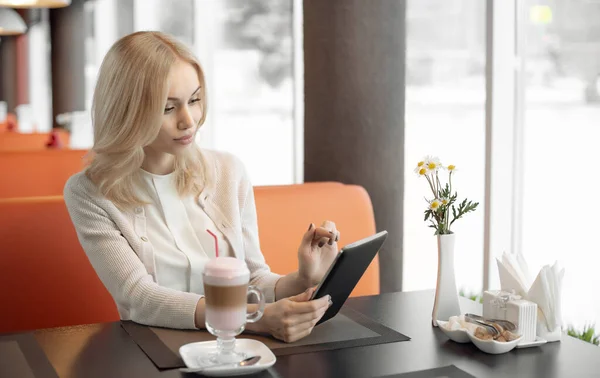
x=150 y=203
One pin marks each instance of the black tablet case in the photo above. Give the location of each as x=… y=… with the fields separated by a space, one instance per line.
x=346 y=270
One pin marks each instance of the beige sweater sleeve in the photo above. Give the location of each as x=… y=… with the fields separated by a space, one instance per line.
x=260 y=273
x=120 y=269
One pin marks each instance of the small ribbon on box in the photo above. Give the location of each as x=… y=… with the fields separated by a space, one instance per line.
x=500 y=301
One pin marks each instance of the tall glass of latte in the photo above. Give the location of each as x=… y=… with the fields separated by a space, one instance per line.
x=226 y=292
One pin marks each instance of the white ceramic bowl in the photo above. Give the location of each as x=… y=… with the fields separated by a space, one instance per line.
x=459 y=335
x=493 y=346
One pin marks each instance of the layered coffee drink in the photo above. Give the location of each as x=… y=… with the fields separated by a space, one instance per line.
x=226 y=292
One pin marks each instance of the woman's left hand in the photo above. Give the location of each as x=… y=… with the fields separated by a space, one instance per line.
x=317 y=251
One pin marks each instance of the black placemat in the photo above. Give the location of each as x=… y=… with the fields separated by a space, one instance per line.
x=347 y=330
x=21 y=356
x=449 y=371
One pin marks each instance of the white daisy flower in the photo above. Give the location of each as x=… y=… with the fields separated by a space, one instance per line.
x=432 y=163
x=435 y=204
x=421 y=170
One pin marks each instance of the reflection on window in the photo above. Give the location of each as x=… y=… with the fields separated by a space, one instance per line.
x=174 y=17
x=445 y=116
x=253 y=85
x=561 y=130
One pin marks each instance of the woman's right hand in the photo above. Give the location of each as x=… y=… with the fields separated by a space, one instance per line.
x=291 y=319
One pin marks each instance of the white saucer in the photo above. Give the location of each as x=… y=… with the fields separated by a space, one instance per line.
x=538 y=341
x=192 y=354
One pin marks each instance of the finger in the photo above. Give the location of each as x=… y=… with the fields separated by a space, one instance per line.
x=321 y=232
x=323 y=236
x=329 y=225
x=303 y=326
x=309 y=234
x=304 y=296
x=322 y=241
x=301 y=330
x=335 y=238
x=296 y=333
x=306 y=317
x=311 y=306
x=290 y=337
x=303 y=334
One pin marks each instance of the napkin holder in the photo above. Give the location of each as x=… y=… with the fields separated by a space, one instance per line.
x=503 y=305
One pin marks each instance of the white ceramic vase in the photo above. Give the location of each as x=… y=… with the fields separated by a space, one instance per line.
x=446 y=302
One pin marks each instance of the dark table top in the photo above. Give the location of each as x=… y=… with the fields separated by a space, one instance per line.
x=106 y=350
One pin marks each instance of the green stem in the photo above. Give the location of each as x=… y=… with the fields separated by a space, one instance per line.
x=445 y=221
x=431 y=186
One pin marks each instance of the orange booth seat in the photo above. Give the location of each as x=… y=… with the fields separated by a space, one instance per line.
x=47 y=280
x=38 y=172
x=10 y=123
x=15 y=141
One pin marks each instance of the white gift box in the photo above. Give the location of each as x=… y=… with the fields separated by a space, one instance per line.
x=503 y=305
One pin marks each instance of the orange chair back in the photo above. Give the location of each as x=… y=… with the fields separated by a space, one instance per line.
x=38 y=172
x=285 y=212
x=46 y=278
x=15 y=141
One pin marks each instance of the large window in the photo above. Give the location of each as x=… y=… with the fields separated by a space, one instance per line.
x=250 y=70
x=445 y=116
x=561 y=109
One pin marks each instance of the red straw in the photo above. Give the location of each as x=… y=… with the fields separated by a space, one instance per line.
x=216 y=242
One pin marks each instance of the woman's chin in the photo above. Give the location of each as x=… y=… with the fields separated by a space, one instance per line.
x=178 y=148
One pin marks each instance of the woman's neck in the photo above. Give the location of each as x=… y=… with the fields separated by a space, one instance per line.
x=158 y=163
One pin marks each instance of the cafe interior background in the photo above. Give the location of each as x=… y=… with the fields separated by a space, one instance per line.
x=508 y=91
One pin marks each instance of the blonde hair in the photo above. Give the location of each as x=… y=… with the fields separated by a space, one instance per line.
x=127 y=110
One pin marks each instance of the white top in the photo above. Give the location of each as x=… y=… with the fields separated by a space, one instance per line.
x=117 y=242
x=179 y=231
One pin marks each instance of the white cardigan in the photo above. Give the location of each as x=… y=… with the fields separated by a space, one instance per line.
x=118 y=248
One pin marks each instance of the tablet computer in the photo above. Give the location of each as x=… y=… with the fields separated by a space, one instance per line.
x=346 y=270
